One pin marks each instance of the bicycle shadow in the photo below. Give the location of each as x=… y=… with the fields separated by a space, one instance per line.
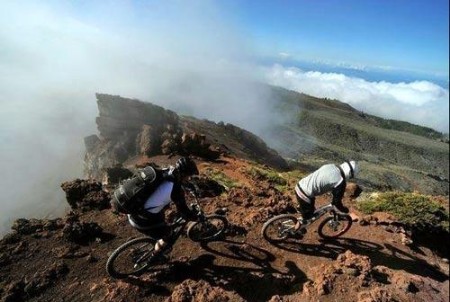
x=386 y=255
x=241 y=268
x=258 y=283
x=239 y=251
x=330 y=248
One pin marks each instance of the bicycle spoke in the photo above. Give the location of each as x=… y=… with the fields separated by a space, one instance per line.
x=332 y=227
x=208 y=229
x=131 y=258
x=279 y=228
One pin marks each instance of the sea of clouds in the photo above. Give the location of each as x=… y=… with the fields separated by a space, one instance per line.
x=187 y=56
x=419 y=102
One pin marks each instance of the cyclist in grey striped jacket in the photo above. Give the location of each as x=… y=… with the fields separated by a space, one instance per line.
x=328 y=178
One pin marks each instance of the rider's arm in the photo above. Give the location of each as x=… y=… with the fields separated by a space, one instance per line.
x=338 y=192
x=180 y=202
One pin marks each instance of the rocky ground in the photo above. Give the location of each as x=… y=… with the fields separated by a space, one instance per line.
x=64 y=259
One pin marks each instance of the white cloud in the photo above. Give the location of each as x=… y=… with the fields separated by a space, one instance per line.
x=56 y=55
x=419 y=102
x=284 y=55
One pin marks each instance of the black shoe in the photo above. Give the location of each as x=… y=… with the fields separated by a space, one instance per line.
x=342 y=208
x=306 y=217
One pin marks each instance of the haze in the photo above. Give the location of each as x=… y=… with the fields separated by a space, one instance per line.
x=197 y=57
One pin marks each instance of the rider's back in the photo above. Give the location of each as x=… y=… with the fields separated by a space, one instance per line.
x=321 y=181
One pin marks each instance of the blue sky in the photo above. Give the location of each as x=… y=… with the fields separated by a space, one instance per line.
x=408 y=35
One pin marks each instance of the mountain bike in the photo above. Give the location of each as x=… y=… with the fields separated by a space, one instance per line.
x=282 y=227
x=135 y=256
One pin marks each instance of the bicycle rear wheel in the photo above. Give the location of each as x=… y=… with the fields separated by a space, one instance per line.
x=211 y=228
x=279 y=227
x=131 y=258
x=334 y=226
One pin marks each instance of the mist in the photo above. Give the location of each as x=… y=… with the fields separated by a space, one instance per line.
x=188 y=56
x=57 y=55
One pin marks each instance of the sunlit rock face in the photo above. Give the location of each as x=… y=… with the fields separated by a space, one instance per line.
x=130 y=128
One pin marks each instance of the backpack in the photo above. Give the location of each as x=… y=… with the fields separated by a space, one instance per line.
x=131 y=194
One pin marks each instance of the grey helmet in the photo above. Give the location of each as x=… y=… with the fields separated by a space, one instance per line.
x=350 y=168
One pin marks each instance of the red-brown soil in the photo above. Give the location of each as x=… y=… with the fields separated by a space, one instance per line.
x=46 y=261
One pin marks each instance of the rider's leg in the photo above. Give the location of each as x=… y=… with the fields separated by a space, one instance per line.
x=340 y=206
x=152 y=225
x=307 y=209
x=163 y=232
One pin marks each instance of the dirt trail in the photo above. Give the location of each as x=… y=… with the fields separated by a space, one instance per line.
x=370 y=263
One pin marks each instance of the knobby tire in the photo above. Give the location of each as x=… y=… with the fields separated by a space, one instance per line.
x=134 y=251
x=282 y=225
x=208 y=229
x=331 y=219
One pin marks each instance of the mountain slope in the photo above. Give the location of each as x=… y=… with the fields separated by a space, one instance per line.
x=64 y=259
x=393 y=156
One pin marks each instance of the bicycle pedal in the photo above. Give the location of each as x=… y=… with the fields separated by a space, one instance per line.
x=296 y=236
x=221 y=211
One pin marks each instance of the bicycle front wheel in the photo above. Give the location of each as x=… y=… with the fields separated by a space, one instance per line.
x=279 y=227
x=334 y=226
x=211 y=228
x=131 y=258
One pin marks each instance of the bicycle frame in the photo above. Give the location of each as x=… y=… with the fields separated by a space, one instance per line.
x=320 y=212
x=281 y=226
x=179 y=223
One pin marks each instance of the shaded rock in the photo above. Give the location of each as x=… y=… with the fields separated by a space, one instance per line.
x=10 y=238
x=276 y=298
x=36 y=284
x=114 y=175
x=27 y=226
x=197 y=144
x=81 y=232
x=31 y=226
x=375 y=295
x=86 y=194
x=353 y=190
x=208 y=187
x=13 y=291
x=201 y=291
x=42 y=280
x=90 y=142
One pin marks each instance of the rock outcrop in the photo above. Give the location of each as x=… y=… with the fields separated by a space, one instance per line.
x=130 y=128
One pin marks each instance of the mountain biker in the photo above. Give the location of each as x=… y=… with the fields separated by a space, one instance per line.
x=151 y=220
x=328 y=178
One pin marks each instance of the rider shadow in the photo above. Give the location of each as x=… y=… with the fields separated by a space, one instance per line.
x=252 y=283
x=317 y=250
x=394 y=258
x=401 y=260
x=239 y=251
x=329 y=248
x=150 y=286
x=247 y=272
x=106 y=237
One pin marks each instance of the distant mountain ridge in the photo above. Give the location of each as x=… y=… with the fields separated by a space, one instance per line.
x=395 y=154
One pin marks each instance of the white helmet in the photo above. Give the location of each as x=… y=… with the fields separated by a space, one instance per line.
x=350 y=168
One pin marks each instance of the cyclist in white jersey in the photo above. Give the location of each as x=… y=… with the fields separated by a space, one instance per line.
x=328 y=178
